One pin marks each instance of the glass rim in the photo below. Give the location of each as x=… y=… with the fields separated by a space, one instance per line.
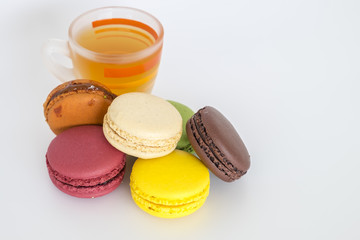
x=116 y=57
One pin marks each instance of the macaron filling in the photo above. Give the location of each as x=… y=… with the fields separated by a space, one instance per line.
x=212 y=152
x=78 y=86
x=74 y=86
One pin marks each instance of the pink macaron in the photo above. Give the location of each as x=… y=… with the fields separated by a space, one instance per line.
x=83 y=164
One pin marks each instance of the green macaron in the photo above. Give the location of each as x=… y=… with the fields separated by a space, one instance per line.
x=186 y=113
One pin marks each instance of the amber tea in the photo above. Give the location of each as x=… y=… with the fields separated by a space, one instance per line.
x=123 y=52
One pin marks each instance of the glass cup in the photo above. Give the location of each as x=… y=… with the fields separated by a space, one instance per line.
x=117 y=46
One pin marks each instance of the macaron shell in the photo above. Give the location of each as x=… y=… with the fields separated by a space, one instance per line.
x=145 y=116
x=218 y=144
x=77 y=106
x=83 y=152
x=75 y=110
x=170 y=186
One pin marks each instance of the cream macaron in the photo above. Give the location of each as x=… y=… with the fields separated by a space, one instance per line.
x=142 y=125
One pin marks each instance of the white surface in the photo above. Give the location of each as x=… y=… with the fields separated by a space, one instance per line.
x=285 y=73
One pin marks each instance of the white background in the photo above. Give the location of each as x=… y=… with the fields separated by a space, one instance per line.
x=285 y=73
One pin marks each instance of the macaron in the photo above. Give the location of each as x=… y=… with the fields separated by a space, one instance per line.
x=186 y=113
x=142 y=125
x=171 y=186
x=217 y=143
x=83 y=164
x=78 y=102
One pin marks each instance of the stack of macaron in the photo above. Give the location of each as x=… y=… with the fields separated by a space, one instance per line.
x=174 y=147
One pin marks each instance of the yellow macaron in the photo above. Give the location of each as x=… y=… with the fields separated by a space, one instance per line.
x=171 y=186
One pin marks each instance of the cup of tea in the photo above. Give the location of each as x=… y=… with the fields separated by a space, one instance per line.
x=117 y=46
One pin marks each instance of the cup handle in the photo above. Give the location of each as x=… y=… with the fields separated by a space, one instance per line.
x=61 y=47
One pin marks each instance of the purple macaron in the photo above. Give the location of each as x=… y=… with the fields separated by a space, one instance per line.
x=83 y=164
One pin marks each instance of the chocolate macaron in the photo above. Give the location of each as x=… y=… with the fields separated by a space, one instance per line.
x=218 y=145
x=75 y=103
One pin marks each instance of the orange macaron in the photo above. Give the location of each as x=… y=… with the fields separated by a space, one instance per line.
x=75 y=103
